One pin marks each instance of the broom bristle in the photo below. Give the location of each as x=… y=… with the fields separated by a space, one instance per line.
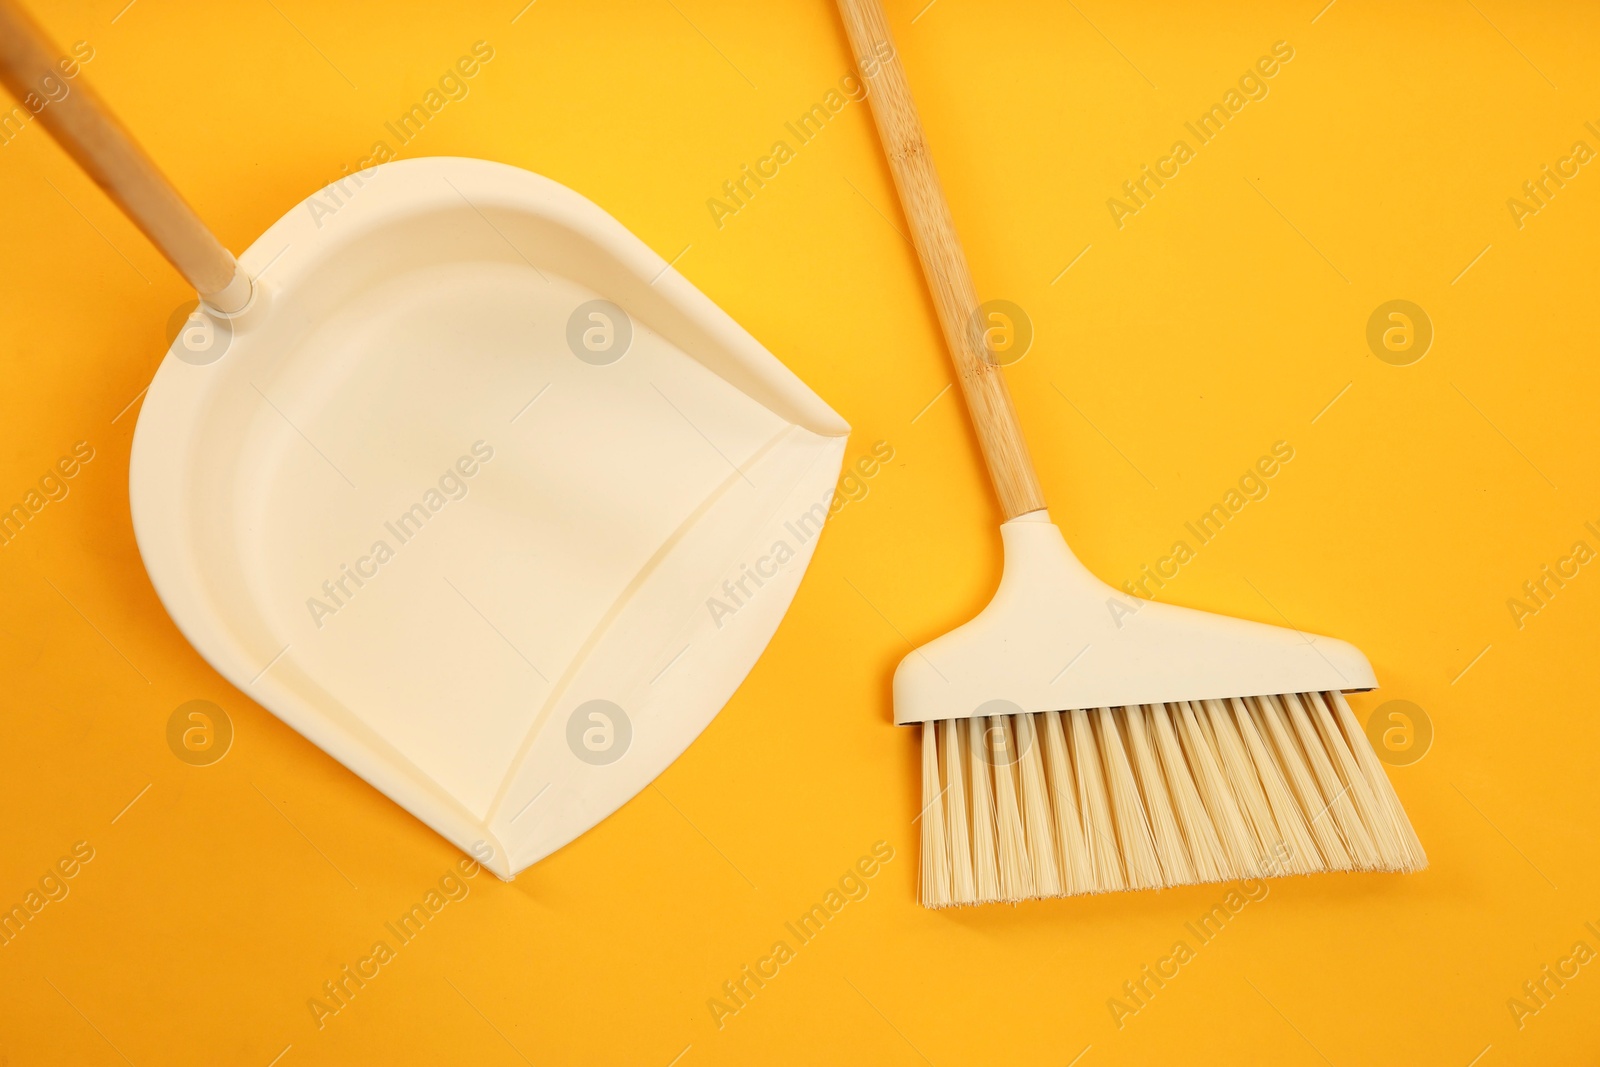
x=1093 y=800
x=985 y=866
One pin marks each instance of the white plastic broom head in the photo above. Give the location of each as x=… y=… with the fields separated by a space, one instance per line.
x=1077 y=739
x=1055 y=637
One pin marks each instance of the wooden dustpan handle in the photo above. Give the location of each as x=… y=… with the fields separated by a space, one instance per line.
x=943 y=262
x=85 y=127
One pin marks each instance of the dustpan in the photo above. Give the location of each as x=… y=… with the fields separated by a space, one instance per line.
x=504 y=584
x=477 y=493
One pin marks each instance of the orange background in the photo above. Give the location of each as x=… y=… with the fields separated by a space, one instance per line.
x=1224 y=316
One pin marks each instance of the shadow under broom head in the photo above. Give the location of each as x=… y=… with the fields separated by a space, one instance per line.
x=1076 y=739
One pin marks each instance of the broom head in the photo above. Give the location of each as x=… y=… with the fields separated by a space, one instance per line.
x=1076 y=739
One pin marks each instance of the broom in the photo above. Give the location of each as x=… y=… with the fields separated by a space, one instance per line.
x=1076 y=739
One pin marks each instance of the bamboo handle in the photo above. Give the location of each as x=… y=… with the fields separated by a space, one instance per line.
x=943 y=262
x=92 y=136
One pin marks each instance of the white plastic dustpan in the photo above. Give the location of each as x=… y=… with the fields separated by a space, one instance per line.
x=484 y=573
x=475 y=492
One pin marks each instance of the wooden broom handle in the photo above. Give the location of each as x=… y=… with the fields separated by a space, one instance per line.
x=943 y=262
x=100 y=144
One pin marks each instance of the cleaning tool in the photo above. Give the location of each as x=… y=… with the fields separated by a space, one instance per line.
x=1076 y=739
x=459 y=479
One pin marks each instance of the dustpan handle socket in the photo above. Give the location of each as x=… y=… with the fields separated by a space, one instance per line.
x=943 y=262
x=90 y=133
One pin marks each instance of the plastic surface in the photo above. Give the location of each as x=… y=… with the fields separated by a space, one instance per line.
x=1055 y=637
x=401 y=503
